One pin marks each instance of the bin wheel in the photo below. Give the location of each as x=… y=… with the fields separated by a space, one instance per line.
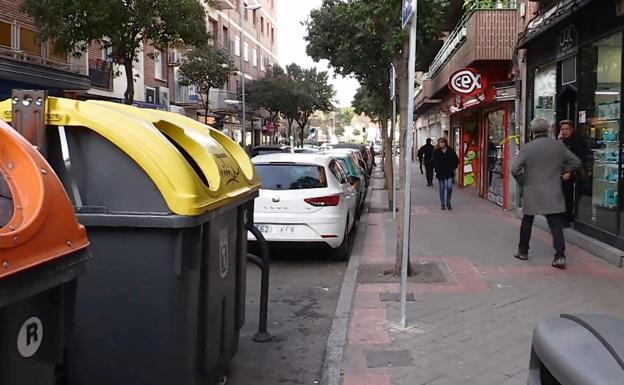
x=341 y=253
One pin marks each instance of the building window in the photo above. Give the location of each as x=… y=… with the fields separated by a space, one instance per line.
x=158 y=64
x=54 y=54
x=246 y=51
x=29 y=41
x=213 y=29
x=262 y=64
x=272 y=35
x=262 y=25
x=6 y=34
x=255 y=20
x=255 y=57
x=237 y=47
x=225 y=39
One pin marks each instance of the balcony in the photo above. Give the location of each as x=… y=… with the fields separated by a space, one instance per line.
x=49 y=72
x=101 y=75
x=217 y=100
x=186 y=95
x=487 y=31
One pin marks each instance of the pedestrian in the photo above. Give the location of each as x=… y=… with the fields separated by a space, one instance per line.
x=539 y=169
x=372 y=152
x=425 y=156
x=445 y=162
x=571 y=187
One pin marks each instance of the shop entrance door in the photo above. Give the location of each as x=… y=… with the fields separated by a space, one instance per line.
x=495 y=168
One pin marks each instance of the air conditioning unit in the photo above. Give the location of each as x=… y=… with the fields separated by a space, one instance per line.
x=163 y=96
x=150 y=95
x=175 y=58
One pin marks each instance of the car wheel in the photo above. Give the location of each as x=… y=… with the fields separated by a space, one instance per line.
x=341 y=253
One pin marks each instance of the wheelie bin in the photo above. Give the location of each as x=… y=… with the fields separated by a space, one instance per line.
x=165 y=200
x=583 y=349
x=43 y=251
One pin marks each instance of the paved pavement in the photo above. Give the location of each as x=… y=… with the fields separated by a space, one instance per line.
x=474 y=305
x=304 y=290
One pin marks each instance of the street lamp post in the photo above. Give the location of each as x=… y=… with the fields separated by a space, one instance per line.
x=244 y=7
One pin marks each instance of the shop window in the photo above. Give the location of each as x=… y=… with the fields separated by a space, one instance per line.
x=600 y=78
x=544 y=91
x=495 y=167
x=29 y=41
x=6 y=34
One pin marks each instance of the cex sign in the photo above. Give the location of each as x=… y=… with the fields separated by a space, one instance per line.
x=468 y=82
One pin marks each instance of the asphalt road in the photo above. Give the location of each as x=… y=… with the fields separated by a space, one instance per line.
x=304 y=289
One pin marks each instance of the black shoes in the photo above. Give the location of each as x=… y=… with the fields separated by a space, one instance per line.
x=448 y=207
x=442 y=208
x=521 y=256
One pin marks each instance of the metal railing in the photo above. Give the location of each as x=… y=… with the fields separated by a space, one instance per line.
x=458 y=36
x=218 y=99
x=29 y=57
x=186 y=94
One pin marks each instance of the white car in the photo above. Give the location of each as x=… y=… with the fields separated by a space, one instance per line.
x=305 y=198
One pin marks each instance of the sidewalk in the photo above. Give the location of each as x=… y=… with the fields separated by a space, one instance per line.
x=474 y=305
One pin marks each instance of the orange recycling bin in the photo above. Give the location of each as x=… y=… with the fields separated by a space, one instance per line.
x=43 y=250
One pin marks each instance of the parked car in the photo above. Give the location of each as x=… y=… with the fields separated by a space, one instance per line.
x=305 y=198
x=359 y=160
x=356 y=175
x=305 y=150
x=270 y=149
x=366 y=155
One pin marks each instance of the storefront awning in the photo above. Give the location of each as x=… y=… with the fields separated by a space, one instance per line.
x=549 y=19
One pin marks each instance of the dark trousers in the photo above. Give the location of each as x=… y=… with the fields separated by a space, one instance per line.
x=429 y=170
x=570 y=199
x=555 y=222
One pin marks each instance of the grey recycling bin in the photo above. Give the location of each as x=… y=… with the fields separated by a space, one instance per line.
x=585 y=349
x=165 y=200
x=43 y=251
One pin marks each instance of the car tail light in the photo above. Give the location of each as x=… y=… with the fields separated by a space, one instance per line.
x=331 y=200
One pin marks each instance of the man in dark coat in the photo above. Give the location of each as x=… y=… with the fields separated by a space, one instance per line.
x=571 y=189
x=539 y=169
x=425 y=156
x=445 y=162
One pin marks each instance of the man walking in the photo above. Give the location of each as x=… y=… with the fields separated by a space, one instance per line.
x=445 y=162
x=425 y=155
x=539 y=169
x=571 y=189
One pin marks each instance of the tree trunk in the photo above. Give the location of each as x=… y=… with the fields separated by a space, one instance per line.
x=387 y=160
x=405 y=123
x=129 y=94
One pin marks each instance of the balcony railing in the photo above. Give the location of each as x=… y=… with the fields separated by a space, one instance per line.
x=458 y=36
x=27 y=57
x=186 y=95
x=101 y=74
x=218 y=99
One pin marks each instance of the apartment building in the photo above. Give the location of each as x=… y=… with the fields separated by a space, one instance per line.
x=27 y=64
x=257 y=49
x=468 y=94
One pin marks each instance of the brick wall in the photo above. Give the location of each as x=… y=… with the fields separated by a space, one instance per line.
x=149 y=67
x=11 y=10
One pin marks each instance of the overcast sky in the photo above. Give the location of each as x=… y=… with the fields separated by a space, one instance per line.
x=292 y=46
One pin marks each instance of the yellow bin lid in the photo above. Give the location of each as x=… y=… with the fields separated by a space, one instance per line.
x=146 y=136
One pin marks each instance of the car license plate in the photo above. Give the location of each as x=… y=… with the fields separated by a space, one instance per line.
x=271 y=229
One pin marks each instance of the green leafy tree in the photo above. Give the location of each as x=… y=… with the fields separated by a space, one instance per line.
x=312 y=93
x=271 y=92
x=122 y=25
x=362 y=38
x=345 y=115
x=205 y=68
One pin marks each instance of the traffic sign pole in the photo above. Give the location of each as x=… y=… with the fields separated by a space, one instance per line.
x=409 y=117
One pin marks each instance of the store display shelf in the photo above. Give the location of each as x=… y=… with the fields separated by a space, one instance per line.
x=606 y=181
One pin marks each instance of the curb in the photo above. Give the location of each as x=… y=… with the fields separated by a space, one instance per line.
x=334 y=352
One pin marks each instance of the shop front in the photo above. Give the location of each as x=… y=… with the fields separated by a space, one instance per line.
x=575 y=73
x=481 y=120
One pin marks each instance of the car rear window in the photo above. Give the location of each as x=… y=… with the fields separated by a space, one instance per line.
x=277 y=176
x=344 y=164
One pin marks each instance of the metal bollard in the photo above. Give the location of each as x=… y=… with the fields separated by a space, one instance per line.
x=263 y=262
